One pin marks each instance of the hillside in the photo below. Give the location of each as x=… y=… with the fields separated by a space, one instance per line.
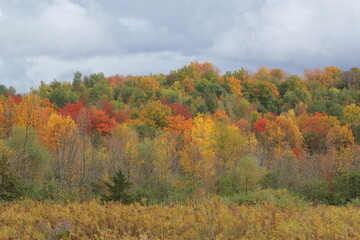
x=191 y=134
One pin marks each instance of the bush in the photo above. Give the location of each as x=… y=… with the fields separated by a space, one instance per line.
x=227 y=185
x=344 y=189
x=161 y=192
x=50 y=190
x=354 y=202
x=280 y=198
x=11 y=188
x=316 y=191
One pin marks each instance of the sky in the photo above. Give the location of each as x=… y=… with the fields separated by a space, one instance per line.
x=52 y=39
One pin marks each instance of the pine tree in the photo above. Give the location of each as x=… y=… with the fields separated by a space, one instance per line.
x=118 y=189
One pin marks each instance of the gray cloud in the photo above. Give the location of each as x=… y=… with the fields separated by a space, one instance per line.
x=43 y=40
x=129 y=64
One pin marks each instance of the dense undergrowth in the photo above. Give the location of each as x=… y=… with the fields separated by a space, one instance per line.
x=209 y=219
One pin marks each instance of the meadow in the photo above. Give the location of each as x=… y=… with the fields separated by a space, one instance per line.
x=211 y=219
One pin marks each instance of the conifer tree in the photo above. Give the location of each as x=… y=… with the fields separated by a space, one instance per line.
x=117 y=189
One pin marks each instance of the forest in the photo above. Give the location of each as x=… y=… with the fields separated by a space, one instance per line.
x=193 y=136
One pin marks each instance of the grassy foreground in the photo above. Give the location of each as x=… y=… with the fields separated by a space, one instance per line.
x=211 y=219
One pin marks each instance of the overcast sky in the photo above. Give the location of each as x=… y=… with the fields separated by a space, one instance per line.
x=43 y=40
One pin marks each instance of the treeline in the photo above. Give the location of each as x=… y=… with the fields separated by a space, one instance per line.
x=189 y=134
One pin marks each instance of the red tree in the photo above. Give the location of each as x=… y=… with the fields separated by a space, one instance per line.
x=101 y=122
x=72 y=109
x=179 y=109
x=260 y=126
x=14 y=98
x=108 y=108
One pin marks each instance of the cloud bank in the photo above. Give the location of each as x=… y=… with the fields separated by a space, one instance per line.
x=43 y=40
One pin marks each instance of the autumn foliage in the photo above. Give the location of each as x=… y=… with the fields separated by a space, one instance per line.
x=101 y=122
x=180 y=139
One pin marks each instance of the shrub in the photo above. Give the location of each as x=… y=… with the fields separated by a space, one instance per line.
x=346 y=187
x=280 y=198
x=316 y=191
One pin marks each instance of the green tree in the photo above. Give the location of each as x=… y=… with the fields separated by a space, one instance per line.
x=4 y=90
x=335 y=110
x=31 y=161
x=100 y=90
x=264 y=93
x=243 y=177
x=294 y=97
x=77 y=80
x=317 y=106
x=63 y=95
x=92 y=79
x=249 y=173
x=58 y=93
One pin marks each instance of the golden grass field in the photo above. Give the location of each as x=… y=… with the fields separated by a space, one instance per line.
x=211 y=219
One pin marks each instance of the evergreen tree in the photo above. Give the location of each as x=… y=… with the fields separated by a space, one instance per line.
x=118 y=189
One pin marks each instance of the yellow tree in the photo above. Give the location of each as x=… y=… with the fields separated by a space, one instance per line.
x=235 y=86
x=291 y=133
x=197 y=157
x=33 y=111
x=148 y=83
x=352 y=116
x=56 y=130
x=340 y=137
x=228 y=145
x=340 y=141
x=60 y=136
x=335 y=75
x=155 y=114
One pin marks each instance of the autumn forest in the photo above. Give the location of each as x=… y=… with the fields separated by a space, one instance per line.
x=191 y=140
